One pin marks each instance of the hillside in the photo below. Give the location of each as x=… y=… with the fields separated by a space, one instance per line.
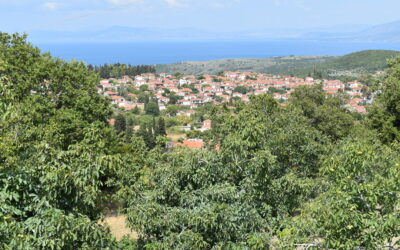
x=351 y=64
x=368 y=61
x=263 y=65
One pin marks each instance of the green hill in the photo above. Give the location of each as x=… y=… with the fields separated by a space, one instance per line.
x=367 y=61
x=273 y=65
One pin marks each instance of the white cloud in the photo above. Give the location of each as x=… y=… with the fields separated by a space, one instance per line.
x=123 y=2
x=174 y=3
x=50 y=5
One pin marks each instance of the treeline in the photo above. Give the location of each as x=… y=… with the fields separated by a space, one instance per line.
x=147 y=131
x=118 y=70
x=307 y=174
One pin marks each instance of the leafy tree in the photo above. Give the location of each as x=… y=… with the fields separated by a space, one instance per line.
x=360 y=207
x=144 y=87
x=172 y=110
x=173 y=98
x=57 y=151
x=384 y=116
x=327 y=114
x=234 y=197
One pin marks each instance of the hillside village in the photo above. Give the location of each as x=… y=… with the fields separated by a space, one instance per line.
x=191 y=92
x=195 y=91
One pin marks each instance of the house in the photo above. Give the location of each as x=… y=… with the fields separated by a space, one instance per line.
x=206 y=125
x=358 y=109
x=117 y=99
x=193 y=143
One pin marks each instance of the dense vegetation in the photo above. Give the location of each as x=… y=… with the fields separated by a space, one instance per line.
x=307 y=174
x=275 y=65
x=354 y=64
x=118 y=70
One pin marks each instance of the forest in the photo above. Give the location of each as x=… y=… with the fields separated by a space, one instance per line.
x=310 y=174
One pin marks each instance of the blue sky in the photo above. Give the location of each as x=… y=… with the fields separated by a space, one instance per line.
x=211 y=15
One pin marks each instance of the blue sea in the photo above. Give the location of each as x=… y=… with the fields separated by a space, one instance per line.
x=173 y=52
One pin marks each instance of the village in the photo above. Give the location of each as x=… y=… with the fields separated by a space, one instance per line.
x=191 y=92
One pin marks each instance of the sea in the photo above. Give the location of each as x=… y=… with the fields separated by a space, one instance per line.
x=175 y=52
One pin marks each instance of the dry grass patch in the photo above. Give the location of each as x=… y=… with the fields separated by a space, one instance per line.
x=118 y=227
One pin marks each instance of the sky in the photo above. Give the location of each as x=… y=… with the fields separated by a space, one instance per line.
x=210 y=15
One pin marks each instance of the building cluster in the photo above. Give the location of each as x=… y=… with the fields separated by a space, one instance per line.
x=193 y=91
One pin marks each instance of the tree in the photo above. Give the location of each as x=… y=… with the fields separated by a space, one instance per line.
x=155 y=128
x=161 y=127
x=144 y=87
x=384 y=116
x=237 y=196
x=152 y=108
x=120 y=123
x=178 y=75
x=172 y=110
x=173 y=98
x=146 y=133
x=136 y=110
x=327 y=114
x=128 y=134
x=359 y=208
x=57 y=151
x=241 y=89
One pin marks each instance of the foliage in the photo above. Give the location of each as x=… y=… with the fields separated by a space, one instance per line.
x=241 y=89
x=119 y=70
x=120 y=123
x=327 y=114
x=360 y=206
x=213 y=199
x=385 y=115
x=358 y=63
x=57 y=151
x=151 y=108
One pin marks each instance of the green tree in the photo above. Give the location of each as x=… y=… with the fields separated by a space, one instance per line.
x=152 y=108
x=384 y=116
x=237 y=196
x=57 y=151
x=136 y=110
x=161 y=127
x=144 y=87
x=360 y=207
x=241 y=89
x=326 y=113
x=120 y=123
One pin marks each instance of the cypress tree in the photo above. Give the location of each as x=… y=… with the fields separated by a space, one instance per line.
x=150 y=137
x=155 y=128
x=120 y=123
x=161 y=127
